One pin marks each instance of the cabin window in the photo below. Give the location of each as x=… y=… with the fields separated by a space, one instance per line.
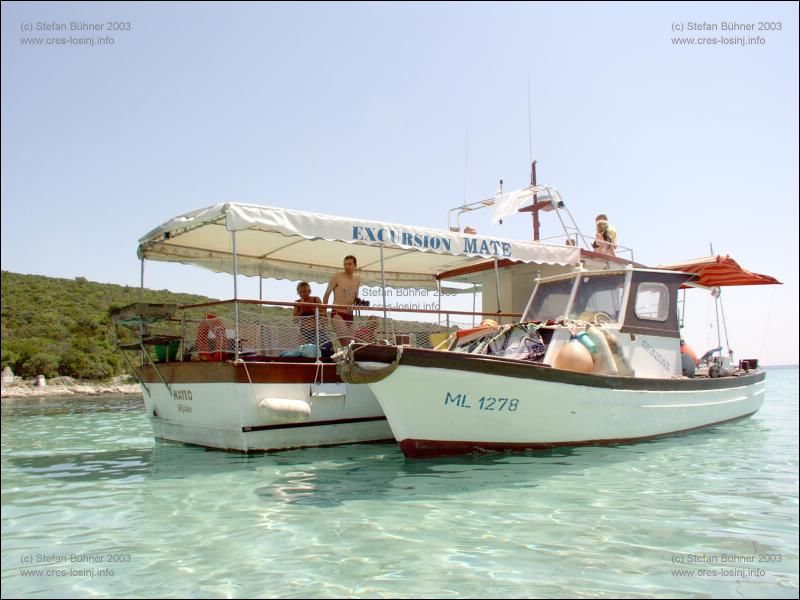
x=652 y=301
x=598 y=294
x=550 y=301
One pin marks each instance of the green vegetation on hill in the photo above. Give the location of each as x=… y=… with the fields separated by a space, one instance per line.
x=56 y=326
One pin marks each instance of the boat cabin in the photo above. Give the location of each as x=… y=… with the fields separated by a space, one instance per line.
x=638 y=306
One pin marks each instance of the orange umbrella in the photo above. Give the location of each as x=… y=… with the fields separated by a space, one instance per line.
x=719 y=271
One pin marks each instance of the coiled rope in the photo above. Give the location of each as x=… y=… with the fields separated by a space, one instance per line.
x=350 y=372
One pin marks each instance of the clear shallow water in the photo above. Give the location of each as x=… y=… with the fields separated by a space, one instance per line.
x=92 y=507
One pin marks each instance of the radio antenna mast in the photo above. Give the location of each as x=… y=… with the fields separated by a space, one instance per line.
x=466 y=165
x=530 y=126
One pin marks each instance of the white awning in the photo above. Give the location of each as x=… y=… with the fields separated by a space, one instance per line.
x=296 y=245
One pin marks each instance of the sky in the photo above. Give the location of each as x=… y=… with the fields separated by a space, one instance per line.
x=400 y=112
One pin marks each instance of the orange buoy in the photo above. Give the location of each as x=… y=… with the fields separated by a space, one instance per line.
x=574 y=356
x=685 y=349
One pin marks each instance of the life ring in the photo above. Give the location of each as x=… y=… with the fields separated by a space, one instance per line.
x=211 y=324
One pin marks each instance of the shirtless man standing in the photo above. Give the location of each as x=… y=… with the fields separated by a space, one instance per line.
x=344 y=286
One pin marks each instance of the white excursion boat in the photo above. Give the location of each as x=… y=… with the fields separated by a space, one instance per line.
x=245 y=375
x=596 y=359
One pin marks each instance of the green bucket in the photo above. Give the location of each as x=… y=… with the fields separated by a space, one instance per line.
x=169 y=351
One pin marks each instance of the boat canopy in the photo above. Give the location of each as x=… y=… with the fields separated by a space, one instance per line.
x=719 y=271
x=291 y=244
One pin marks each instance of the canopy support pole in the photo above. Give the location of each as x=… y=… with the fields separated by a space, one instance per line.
x=474 y=297
x=439 y=299
x=497 y=283
x=235 y=297
x=383 y=291
x=141 y=322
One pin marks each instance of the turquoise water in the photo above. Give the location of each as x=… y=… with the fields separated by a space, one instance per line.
x=92 y=507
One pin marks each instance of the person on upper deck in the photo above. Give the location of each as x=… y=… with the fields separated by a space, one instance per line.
x=606 y=238
x=305 y=313
x=344 y=287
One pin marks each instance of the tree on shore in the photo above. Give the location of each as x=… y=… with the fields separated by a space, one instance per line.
x=54 y=326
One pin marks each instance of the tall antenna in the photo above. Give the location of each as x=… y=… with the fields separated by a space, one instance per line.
x=466 y=165
x=530 y=128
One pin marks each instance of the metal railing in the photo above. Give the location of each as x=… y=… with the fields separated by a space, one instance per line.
x=267 y=329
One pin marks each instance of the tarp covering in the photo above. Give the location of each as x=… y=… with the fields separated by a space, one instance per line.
x=509 y=203
x=719 y=271
x=297 y=245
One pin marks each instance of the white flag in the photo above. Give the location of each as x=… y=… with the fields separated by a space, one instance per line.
x=508 y=204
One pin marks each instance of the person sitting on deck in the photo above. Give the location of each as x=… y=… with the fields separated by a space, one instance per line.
x=306 y=314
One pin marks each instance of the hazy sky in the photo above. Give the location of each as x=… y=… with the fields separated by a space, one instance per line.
x=398 y=112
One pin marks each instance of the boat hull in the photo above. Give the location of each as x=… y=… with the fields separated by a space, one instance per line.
x=258 y=407
x=449 y=403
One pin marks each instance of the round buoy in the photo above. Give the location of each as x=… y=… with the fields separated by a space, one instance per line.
x=687 y=365
x=574 y=356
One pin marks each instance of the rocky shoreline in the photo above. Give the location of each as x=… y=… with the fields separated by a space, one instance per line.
x=66 y=386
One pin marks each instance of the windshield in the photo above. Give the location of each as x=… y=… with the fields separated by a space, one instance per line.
x=550 y=301
x=598 y=294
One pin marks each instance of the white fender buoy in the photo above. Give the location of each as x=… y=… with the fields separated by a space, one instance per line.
x=623 y=366
x=285 y=410
x=604 y=363
x=573 y=356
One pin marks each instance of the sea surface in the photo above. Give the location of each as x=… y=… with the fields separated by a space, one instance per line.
x=92 y=507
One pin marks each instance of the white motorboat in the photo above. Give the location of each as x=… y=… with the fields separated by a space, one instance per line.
x=596 y=359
